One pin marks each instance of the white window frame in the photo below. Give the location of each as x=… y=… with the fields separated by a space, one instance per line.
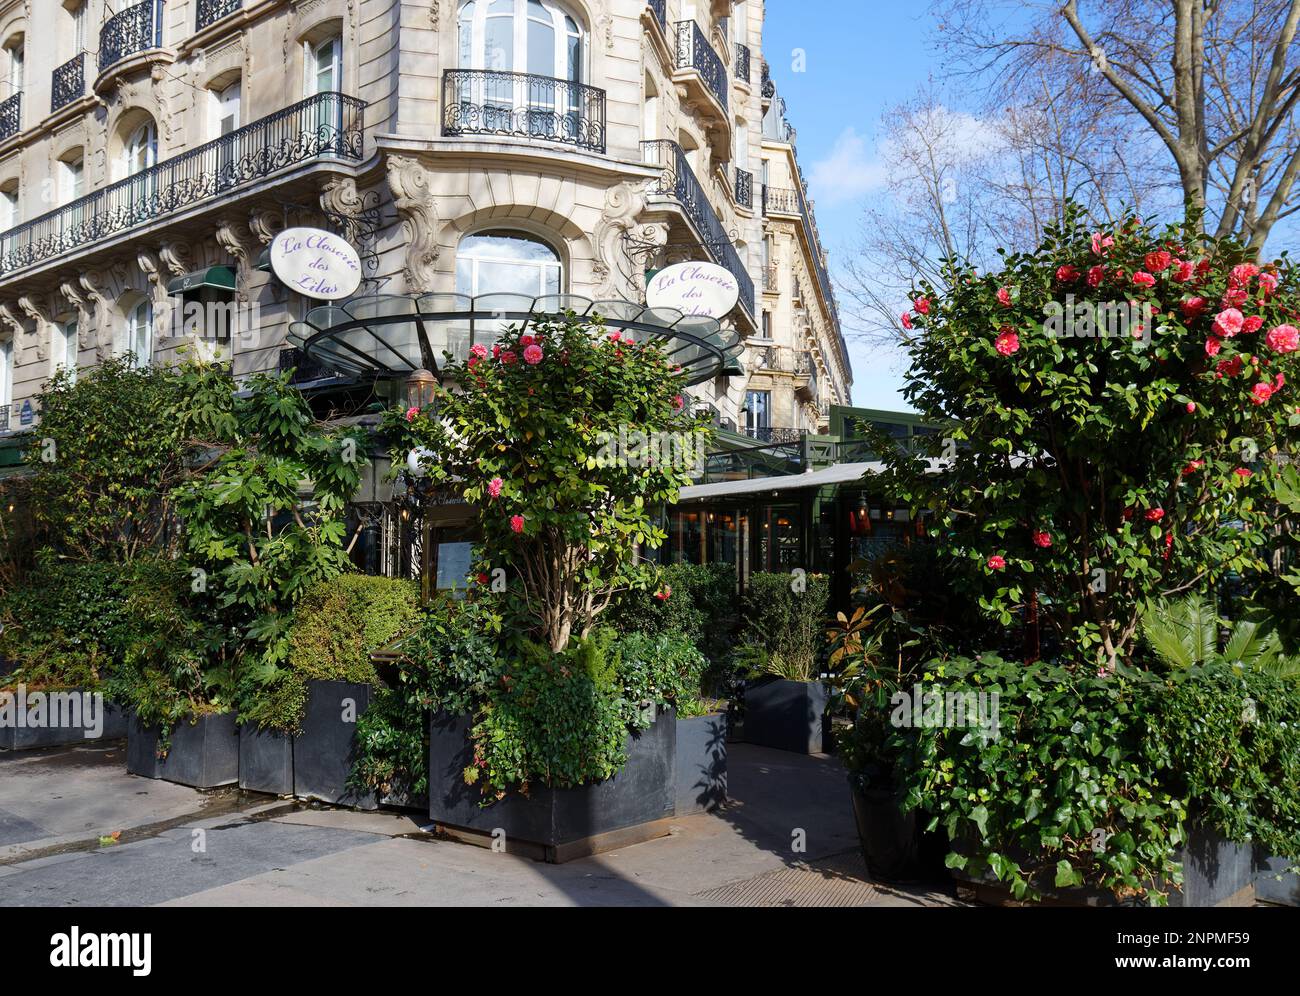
x=7 y=374
x=311 y=65
x=138 y=331
x=66 y=340
x=519 y=48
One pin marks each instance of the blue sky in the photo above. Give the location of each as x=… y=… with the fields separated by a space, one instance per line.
x=862 y=56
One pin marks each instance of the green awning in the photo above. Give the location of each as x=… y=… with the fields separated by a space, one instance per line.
x=216 y=277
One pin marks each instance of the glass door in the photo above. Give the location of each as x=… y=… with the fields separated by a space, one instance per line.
x=228 y=103
x=325 y=76
x=141 y=158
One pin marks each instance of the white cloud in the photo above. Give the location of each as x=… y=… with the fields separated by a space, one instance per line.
x=847 y=173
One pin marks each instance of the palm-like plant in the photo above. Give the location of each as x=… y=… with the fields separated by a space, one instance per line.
x=1186 y=632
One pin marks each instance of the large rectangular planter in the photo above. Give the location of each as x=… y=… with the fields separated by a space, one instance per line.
x=786 y=715
x=16 y=737
x=203 y=754
x=556 y=824
x=1269 y=888
x=265 y=760
x=325 y=750
x=701 y=764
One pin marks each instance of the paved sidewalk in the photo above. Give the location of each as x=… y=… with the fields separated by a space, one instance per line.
x=785 y=839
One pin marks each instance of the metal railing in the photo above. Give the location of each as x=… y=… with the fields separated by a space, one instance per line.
x=679 y=181
x=131 y=30
x=523 y=105
x=768 y=87
x=660 y=10
x=773 y=434
x=744 y=188
x=11 y=116
x=304 y=367
x=327 y=125
x=742 y=62
x=780 y=200
x=695 y=52
x=68 y=82
x=211 y=11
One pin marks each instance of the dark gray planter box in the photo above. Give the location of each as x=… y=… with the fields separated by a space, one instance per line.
x=556 y=824
x=324 y=752
x=35 y=737
x=265 y=760
x=786 y=715
x=203 y=754
x=1269 y=888
x=701 y=764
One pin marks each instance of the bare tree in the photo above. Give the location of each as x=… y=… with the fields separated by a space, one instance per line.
x=1214 y=82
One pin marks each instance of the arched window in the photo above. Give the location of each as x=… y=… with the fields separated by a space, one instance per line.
x=501 y=262
x=65 y=348
x=521 y=36
x=141 y=149
x=137 y=334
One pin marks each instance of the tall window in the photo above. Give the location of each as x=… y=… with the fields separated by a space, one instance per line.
x=507 y=262
x=8 y=220
x=226 y=109
x=6 y=375
x=72 y=179
x=325 y=66
x=521 y=36
x=78 y=13
x=227 y=103
x=138 y=333
x=758 y=412
x=65 y=348
x=17 y=68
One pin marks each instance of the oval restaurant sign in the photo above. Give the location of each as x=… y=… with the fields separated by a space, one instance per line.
x=316 y=263
x=699 y=289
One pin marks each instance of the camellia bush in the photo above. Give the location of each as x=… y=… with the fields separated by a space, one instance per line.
x=566 y=438
x=1117 y=401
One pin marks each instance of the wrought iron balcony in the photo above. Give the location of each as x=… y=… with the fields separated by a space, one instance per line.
x=744 y=188
x=325 y=126
x=69 y=82
x=742 y=62
x=679 y=181
x=304 y=368
x=695 y=52
x=774 y=434
x=779 y=200
x=522 y=105
x=660 y=10
x=768 y=87
x=11 y=116
x=131 y=30
x=211 y=11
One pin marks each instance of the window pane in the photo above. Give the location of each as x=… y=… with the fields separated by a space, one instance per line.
x=541 y=47
x=499 y=39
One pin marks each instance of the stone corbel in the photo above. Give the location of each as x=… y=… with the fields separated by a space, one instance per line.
x=93 y=284
x=175 y=256
x=12 y=322
x=414 y=201
x=41 y=325
x=238 y=241
x=623 y=203
x=151 y=267
x=265 y=225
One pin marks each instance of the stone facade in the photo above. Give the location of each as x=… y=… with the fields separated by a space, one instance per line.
x=169 y=138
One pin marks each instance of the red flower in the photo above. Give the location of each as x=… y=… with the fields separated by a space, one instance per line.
x=1283 y=339
x=1158 y=262
x=1228 y=322
x=1144 y=279
x=482 y=578
x=1267 y=285
x=1234 y=297
x=1244 y=473
x=1067 y=274
x=494 y=487
x=1096 y=274
x=1252 y=324
x=526 y=340
x=907 y=320
x=411 y=413
x=1193 y=467
x=1169 y=545
x=1127 y=514
x=1191 y=407
x=996 y=562
x=1212 y=346
x=1042 y=539
x=922 y=305
x=1100 y=243
x=1261 y=392
x=1154 y=514
x=533 y=355
x=1004 y=296
x=1007 y=342
x=1242 y=274
x=508 y=357
x=516 y=523
x=1183 y=271
x=479 y=350
x=1193 y=307
x=496 y=351
x=1230 y=367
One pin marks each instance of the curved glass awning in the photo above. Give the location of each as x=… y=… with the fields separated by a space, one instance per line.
x=391 y=335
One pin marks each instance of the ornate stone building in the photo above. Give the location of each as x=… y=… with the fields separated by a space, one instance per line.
x=150 y=151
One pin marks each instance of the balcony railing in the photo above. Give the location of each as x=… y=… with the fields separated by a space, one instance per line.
x=695 y=52
x=773 y=434
x=211 y=11
x=679 y=181
x=304 y=368
x=742 y=62
x=68 y=82
x=768 y=87
x=11 y=116
x=779 y=200
x=522 y=105
x=819 y=263
x=744 y=188
x=133 y=29
x=327 y=125
x=660 y=10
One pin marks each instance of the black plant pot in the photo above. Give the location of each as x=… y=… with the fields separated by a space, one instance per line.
x=325 y=751
x=265 y=760
x=701 y=764
x=1273 y=883
x=555 y=824
x=786 y=714
x=888 y=837
x=203 y=754
x=61 y=722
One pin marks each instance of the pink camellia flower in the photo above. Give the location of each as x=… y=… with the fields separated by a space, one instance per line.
x=494 y=487
x=1004 y=296
x=1242 y=274
x=996 y=562
x=1158 y=262
x=473 y=362
x=1144 y=279
x=1067 y=274
x=1230 y=367
x=516 y=523
x=1283 y=339
x=508 y=357
x=533 y=355
x=1234 y=298
x=1244 y=473
x=1042 y=539
x=1261 y=392
x=1252 y=323
x=1154 y=514
x=1191 y=407
x=1100 y=243
x=1193 y=307
x=526 y=340
x=664 y=593
x=1096 y=274
x=1267 y=284
x=479 y=350
x=1193 y=467
x=615 y=336
x=1228 y=322
x=921 y=305
x=1007 y=343
x=496 y=351
x=1184 y=270
x=907 y=321
x=1278 y=383
x=411 y=413
x=1212 y=346
x=679 y=402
